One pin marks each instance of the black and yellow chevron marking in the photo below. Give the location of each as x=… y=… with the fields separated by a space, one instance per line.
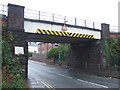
x=65 y=34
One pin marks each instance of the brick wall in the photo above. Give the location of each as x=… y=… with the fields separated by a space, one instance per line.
x=115 y=35
x=45 y=47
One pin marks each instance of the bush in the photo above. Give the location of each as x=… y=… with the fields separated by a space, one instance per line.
x=62 y=50
x=115 y=52
x=30 y=54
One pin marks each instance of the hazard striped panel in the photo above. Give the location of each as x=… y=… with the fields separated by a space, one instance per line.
x=65 y=34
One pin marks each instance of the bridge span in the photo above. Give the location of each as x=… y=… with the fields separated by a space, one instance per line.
x=47 y=31
x=86 y=43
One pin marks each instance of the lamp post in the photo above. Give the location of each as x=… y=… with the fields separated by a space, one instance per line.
x=59 y=54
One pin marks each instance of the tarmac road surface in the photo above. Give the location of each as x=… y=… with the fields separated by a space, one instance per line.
x=41 y=75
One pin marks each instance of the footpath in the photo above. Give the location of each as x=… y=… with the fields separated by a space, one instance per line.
x=33 y=84
x=102 y=72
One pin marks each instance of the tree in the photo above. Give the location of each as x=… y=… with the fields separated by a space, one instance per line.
x=62 y=50
x=53 y=53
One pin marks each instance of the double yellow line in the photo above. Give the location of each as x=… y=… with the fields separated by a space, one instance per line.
x=47 y=85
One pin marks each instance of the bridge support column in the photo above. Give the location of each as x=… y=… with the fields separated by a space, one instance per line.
x=85 y=55
x=16 y=27
x=90 y=54
x=105 y=37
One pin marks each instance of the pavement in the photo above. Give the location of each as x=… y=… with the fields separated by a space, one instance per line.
x=43 y=76
x=32 y=83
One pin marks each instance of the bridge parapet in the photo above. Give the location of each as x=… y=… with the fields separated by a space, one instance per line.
x=39 y=15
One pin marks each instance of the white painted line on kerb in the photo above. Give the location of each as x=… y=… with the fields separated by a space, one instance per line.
x=36 y=62
x=92 y=83
x=65 y=76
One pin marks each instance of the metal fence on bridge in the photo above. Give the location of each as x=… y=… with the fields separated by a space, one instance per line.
x=39 y=15
x=114 y=28
x=3 y=9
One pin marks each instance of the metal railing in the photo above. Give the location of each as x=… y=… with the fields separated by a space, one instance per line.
x=114 y=28
x=39 y=15
x=89 y=66
x=3 y=9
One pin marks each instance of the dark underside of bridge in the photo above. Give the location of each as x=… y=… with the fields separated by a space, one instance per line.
x=34 y=37
x=81 y=51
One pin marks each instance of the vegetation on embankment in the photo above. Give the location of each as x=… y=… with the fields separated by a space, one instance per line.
x=12 y=68
x=114 y=53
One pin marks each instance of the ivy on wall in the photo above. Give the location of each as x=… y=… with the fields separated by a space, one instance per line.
x=12 y=69
x=112 y=52
x=115 y=52
x=107 y=51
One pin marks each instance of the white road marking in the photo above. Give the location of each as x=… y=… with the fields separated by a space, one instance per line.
x=81 y=80
x=38 y=62
x=52 y=68
x=65 y=76
x=92 y=83
x=60 y=75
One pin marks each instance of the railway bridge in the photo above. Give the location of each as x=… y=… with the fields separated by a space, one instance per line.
x=86 y=43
